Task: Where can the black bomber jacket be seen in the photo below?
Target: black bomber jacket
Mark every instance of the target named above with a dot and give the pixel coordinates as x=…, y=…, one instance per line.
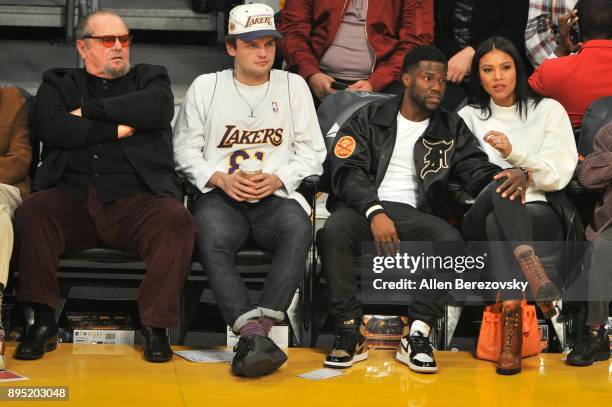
x=446, y=151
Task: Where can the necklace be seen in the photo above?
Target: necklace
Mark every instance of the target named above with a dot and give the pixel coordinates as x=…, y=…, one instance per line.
x=252, y=107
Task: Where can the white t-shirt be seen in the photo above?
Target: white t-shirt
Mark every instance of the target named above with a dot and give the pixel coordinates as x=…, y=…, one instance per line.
x=223, y=122
x=543, y=143
x=400, y=183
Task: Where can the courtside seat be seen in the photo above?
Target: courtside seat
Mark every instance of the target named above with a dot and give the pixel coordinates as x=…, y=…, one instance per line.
x=98, y=255
x=101, y=256
x=596, y=117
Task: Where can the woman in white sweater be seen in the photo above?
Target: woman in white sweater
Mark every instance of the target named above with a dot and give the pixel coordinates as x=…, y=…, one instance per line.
x=516, y=128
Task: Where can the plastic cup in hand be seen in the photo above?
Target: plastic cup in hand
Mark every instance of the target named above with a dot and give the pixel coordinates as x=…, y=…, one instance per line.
x=248, y=169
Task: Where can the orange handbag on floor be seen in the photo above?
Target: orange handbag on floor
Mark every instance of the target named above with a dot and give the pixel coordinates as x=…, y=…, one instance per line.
x=489, y=340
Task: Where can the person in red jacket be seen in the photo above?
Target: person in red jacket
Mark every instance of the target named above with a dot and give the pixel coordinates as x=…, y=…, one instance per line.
x=356, y=43
x=579, y=79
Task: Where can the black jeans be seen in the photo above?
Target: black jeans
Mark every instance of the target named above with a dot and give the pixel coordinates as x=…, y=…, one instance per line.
x=495, y=218
x=340, y=242
x=599, y=278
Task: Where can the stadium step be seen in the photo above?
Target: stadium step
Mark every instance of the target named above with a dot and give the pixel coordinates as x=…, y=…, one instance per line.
x=170, y=15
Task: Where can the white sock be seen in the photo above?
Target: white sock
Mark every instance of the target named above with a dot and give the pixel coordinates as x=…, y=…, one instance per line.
x=419, y=326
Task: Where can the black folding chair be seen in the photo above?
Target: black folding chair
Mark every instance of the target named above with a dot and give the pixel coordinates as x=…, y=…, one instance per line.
x=596, y=116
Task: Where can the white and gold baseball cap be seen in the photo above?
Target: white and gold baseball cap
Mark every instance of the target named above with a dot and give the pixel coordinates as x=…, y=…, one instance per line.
x=251, y=21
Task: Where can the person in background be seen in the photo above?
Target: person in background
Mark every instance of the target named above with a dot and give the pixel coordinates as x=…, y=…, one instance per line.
x=15, y=157
x=357, y=44
x=595, y=173
x=463, y=24
x=545, y=23
x=578, y=80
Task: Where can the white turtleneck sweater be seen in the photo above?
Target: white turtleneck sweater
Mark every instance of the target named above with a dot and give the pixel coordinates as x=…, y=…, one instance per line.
x=543, y=142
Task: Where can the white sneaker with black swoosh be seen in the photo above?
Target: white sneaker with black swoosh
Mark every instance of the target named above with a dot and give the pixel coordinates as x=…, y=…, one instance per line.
x=416, y=352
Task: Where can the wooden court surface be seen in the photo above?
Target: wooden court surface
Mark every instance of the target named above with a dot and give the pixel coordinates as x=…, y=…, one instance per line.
x=105, y=375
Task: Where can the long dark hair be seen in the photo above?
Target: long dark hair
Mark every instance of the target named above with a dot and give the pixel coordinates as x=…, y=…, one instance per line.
x=479, y=98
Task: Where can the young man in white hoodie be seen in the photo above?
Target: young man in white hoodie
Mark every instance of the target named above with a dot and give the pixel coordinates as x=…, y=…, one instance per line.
x=250, y=112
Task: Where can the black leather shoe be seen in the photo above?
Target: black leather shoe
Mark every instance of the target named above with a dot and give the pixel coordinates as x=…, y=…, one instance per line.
x=39, y=339
x=256, y=356
x=156, y=348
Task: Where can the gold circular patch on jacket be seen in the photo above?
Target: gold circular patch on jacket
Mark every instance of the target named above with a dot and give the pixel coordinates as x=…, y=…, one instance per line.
x=345, y=147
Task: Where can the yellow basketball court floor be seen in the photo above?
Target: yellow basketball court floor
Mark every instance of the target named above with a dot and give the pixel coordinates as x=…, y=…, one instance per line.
x=99, y=375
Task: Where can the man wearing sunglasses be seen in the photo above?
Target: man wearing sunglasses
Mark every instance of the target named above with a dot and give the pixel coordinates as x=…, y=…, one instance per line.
x=107, y=178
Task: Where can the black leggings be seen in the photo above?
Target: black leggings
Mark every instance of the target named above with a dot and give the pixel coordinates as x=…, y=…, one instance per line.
x=494, y=218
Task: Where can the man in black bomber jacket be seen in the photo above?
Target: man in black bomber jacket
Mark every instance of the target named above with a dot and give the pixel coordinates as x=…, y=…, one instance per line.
x=390, y=169
x=107, y=178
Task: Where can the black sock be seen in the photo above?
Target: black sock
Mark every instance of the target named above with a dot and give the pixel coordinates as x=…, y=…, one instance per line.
x=43, y=314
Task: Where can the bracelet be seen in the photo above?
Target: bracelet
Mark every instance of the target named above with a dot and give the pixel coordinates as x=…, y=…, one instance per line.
x=374, y=210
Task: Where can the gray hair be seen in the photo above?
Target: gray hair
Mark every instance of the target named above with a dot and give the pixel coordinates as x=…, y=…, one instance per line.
x=82, y=29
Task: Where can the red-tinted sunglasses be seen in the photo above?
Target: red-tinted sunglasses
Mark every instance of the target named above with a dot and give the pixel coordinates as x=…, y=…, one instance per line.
x=109, y=40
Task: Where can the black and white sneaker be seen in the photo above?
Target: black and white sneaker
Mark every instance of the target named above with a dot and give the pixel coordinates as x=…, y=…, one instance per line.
x=416, y=352
x=590, y=348
x=349, y=347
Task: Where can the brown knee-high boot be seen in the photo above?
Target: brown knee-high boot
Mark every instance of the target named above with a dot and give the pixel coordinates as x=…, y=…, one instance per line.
x=544, y=290
x=509, y=362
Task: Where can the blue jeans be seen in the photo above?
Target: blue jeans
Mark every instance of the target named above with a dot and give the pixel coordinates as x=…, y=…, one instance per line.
x=275, y=224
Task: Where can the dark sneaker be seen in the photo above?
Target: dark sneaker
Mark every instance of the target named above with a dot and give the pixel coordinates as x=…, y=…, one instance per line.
x=590, y=348
x=416, y=352
x=349, y=347
x=256, y=356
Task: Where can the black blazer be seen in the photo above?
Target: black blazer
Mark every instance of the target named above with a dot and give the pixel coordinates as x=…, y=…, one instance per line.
x=148, y=106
